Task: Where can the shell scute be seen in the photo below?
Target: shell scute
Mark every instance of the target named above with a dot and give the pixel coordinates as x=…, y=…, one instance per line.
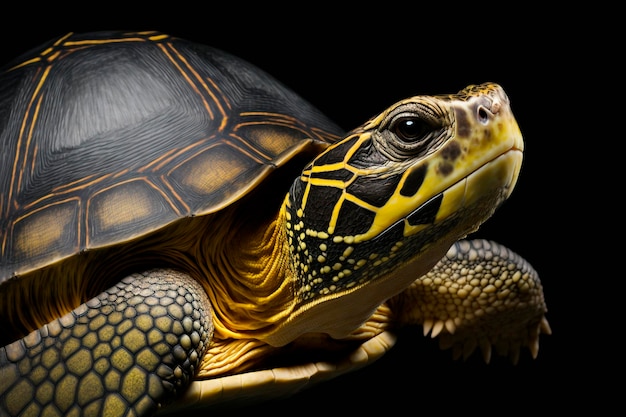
x=106, y=137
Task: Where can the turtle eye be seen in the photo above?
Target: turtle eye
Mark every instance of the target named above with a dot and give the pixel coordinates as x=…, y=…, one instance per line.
x=410, y=129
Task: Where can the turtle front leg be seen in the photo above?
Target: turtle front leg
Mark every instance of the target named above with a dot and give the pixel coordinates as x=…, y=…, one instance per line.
x=481, y=294
x=125, y=352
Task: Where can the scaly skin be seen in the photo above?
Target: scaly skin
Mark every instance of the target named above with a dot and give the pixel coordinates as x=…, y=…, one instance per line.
x=127, y=351
x=481, y=294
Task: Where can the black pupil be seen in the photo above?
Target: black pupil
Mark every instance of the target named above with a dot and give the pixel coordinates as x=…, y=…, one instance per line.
x=410, y=129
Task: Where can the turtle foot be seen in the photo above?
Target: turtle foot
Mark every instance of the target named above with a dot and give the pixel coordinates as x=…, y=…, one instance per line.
x=480, y=295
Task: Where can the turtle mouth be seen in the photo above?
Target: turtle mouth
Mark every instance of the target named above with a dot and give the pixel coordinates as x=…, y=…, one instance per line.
x=487, y=186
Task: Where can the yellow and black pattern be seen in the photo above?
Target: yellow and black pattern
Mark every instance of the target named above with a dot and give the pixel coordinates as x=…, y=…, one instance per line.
x=364, y=200
x=139, y=193
x=127, y=352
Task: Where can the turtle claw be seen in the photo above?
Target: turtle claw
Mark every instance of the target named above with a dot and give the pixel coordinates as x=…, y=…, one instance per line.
x=533, y=343
x=437, y=329
x=427, y=325
x=507, y=344
x=485, y=348
x=544, y=326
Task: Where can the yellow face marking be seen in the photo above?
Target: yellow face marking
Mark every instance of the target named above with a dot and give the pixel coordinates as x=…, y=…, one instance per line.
x=474, y=153
x=365, y=199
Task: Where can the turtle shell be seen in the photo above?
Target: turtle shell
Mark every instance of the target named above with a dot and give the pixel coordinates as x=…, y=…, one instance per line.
x=109, y=136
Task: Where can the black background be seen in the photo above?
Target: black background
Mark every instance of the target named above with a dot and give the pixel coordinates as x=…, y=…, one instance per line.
x=354, y=64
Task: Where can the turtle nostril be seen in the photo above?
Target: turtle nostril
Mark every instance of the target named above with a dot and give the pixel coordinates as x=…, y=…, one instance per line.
x=495, y=106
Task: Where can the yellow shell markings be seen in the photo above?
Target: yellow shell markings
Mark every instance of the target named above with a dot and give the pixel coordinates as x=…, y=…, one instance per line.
x=276, y=140
x=37, y=97
x=76, y=212
x=229, y=152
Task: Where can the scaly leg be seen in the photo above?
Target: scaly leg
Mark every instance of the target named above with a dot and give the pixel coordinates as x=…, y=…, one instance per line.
x=125, y=352
x=481, y=294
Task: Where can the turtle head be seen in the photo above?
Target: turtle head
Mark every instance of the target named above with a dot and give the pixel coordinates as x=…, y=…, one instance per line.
x=379, y=208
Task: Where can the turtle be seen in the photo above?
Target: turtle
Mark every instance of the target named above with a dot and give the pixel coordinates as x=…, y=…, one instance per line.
x=182, y=230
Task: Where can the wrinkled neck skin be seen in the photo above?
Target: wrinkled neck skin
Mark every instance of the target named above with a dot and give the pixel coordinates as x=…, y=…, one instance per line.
x=246, y=275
